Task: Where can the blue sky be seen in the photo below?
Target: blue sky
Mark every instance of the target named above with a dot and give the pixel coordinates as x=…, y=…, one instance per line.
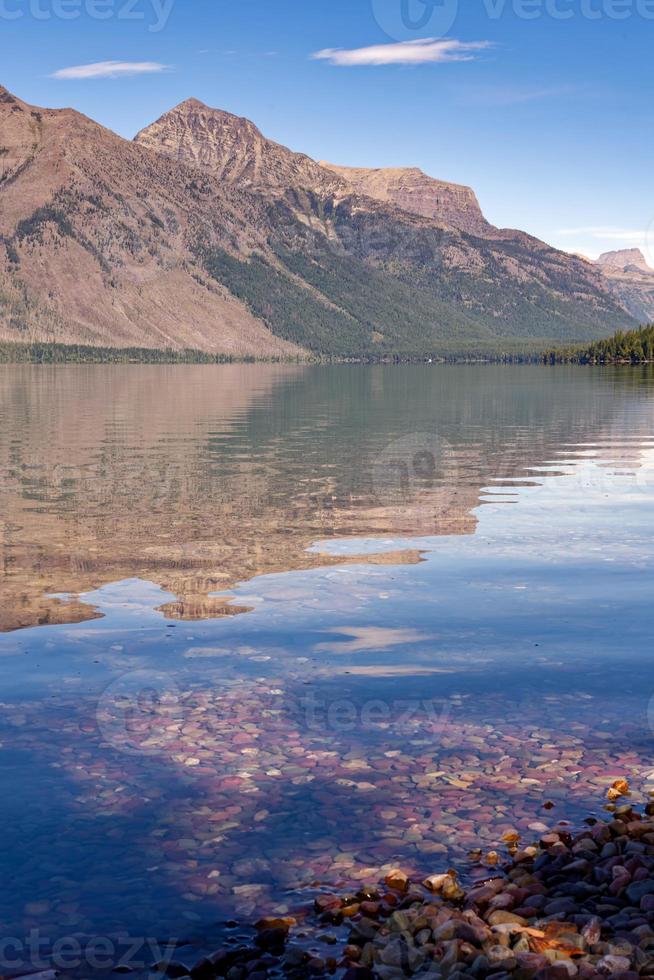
x=543, y=106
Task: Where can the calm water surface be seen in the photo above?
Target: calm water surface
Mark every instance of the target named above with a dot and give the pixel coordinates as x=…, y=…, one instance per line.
x=270, y=629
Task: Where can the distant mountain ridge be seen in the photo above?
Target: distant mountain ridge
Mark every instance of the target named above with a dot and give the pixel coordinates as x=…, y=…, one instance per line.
x=201, y=233
x=625, y=258
x=631, y=280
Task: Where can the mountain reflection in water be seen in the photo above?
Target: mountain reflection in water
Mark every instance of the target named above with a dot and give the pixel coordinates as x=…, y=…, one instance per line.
x=197, y=477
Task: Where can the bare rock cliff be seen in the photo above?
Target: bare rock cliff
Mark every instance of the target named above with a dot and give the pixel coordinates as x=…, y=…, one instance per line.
x=416, y=192
x=625, y=258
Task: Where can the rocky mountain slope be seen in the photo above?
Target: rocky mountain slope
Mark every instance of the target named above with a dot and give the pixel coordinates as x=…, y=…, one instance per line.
x=353, y=197
x=97, y=235
x=412, y=190
x=202, y=233
x=233, y=149
x=631, y=280
x=625, y=258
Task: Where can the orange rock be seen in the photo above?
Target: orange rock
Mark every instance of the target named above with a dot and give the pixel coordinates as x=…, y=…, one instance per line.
x=272, y=922
x=397, y=880
x=349, y=911
x=619, y=788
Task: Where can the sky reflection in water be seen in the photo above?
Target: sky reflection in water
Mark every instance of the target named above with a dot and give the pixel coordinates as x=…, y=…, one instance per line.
x=494, y=653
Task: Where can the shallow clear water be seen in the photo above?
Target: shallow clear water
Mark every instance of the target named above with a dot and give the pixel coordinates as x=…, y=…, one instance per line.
x=311, y=622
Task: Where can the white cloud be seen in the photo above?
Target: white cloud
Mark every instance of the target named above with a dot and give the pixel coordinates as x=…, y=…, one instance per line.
x=110, y=69
x=592, y=240
x=419, y=52
x=609, y=233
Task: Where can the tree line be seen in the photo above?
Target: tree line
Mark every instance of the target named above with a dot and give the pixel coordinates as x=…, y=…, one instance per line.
x=624, y=347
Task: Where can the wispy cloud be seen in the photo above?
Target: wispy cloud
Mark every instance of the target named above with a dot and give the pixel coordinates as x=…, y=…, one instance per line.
x=636, y=236
x=110, y=69
x=591, y=240
x=512, y=95
x=419, y=52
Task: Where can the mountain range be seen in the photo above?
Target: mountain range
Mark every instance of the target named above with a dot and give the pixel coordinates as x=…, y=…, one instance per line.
x=631, y=280
x=203, y=234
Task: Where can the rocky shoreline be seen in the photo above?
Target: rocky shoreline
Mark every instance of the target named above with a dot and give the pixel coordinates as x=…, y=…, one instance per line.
x=572, y=904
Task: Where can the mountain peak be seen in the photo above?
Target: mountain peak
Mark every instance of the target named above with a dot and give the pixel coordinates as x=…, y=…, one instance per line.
x=191, y=103
x=232, y=148
x=202, y=115
x=624, y=258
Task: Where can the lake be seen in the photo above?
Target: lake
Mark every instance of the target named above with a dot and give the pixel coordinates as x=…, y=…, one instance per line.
x=267, y=629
